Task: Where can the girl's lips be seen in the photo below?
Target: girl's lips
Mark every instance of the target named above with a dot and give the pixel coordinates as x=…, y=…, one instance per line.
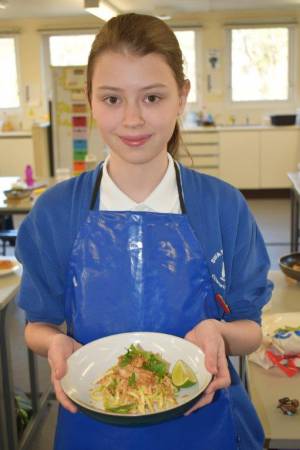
x=135, y=141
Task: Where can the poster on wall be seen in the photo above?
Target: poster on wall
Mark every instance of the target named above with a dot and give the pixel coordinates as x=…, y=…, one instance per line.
x=75, y=136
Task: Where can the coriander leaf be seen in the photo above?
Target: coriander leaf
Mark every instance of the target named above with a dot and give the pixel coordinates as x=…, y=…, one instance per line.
x=132, y=380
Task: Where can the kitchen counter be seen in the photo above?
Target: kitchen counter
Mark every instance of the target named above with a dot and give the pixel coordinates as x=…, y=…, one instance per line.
x=253, y=156
x=218, y=128
x=15, y=134
x=267, y=386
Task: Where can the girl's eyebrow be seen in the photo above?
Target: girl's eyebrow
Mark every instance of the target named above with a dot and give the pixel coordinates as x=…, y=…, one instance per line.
x=113, y=88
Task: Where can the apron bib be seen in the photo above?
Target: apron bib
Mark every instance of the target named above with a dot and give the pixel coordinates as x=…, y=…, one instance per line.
x=144, y=271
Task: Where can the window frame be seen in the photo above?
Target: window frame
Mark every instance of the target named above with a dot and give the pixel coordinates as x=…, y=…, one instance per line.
x=16, y=109
x=46, y=58
x=292, y=65
x=198, y=56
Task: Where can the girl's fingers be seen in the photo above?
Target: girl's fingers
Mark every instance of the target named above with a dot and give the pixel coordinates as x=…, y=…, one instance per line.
x=218, y=383
x=58, y=369
x=213, y=347
x=210, y=351
x=62, y=398
x=205, y=400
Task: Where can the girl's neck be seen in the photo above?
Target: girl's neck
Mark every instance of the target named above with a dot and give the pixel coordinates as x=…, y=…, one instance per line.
x=137, y=181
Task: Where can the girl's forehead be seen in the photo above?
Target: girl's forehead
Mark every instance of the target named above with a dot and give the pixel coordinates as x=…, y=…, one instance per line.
x=111, y=63
x=127, y=57
x=128, y=71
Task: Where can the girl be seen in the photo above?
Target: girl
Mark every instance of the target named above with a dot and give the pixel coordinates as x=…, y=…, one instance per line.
x=145, y=244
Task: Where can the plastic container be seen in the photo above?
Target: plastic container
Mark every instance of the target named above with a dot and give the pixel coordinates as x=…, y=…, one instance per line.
x=62, y=173
x=28, y=176
x=283, y=119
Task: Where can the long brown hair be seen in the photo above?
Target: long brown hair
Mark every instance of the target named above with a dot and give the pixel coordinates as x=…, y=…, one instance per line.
x=140, y=34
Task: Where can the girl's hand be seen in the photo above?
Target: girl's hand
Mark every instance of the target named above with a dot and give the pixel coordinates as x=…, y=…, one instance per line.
x=208, y=337
x=60, y=349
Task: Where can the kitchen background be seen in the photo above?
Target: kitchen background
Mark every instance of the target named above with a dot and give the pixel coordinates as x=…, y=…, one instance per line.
x=224, y=93
x=45, y=120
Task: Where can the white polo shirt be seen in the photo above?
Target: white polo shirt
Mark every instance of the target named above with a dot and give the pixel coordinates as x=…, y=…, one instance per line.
x=164, y=198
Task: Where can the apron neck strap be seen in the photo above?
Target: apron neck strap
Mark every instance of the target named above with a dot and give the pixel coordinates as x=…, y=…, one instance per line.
x=179, y=188
x=99, y=178
x=96, y=187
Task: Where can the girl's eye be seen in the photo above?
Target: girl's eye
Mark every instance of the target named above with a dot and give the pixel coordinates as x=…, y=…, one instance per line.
x=111, y=100
x=152, y=98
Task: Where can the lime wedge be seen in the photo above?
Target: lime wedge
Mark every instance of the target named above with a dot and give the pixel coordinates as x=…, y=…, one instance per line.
x=182, y=375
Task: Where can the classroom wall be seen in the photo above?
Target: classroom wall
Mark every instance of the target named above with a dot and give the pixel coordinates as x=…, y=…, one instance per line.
x=213, y=36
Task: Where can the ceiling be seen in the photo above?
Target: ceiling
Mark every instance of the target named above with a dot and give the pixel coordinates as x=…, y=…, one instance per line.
x=17, y=9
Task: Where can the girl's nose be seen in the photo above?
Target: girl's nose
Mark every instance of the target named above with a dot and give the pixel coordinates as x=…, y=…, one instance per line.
x=133, y=116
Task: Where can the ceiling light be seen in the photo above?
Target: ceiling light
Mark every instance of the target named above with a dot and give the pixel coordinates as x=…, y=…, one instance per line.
x=3, y=4
x=164, y=13
x=164, y=17
x=101, y=9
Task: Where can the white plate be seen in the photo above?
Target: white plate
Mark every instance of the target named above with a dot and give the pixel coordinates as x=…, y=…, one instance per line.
x=91, y=361
x=14, y=268
x=270, y=323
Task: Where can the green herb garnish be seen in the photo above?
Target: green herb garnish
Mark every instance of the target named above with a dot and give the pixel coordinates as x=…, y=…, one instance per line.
x=154, y=363
x=132, y=352
x=132, y=380
x=122, y=409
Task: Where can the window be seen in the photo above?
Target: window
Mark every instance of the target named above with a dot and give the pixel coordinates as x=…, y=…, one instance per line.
x=187, y=42
x=73, y=50
x=68, y=50
x=260, y=64
x=9, y=90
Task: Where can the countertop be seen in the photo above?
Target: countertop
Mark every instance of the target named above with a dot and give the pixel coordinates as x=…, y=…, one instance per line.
x=15, y=134
x=295, y=179
x=267, y=386
x=221, y=128
x=9, y=285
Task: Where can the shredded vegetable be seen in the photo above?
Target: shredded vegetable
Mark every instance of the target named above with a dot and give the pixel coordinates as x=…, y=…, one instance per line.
x=139, y=383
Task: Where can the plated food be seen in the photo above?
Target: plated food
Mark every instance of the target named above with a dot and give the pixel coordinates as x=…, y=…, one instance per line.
x=141, y=382
x=177, y=377
x=17, y=194
x=8, y=265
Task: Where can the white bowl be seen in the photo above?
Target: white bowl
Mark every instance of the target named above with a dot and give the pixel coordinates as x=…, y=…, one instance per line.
x=91, y=361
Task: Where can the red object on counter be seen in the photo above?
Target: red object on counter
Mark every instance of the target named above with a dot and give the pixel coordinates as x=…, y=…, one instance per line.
x=286, y=363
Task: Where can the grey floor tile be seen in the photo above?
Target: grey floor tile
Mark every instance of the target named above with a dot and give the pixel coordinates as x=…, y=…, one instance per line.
x=273, y=219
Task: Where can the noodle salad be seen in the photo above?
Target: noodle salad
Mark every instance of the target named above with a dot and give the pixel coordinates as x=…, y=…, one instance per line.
x=139, y=383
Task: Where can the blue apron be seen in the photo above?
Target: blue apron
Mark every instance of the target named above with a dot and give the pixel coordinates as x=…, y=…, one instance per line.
x=144, y=271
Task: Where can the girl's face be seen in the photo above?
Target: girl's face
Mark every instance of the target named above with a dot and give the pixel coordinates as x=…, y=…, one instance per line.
x=135, y=103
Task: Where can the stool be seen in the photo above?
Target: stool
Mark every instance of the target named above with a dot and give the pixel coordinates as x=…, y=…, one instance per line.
x=8, y=237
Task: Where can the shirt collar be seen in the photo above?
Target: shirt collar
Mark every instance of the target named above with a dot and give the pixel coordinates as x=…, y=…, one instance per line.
x=162, y=199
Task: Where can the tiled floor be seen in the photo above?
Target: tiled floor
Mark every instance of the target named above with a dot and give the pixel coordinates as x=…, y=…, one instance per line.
x=273, y=218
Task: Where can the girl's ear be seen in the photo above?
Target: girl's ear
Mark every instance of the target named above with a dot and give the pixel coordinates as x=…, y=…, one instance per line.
x=183, y=95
